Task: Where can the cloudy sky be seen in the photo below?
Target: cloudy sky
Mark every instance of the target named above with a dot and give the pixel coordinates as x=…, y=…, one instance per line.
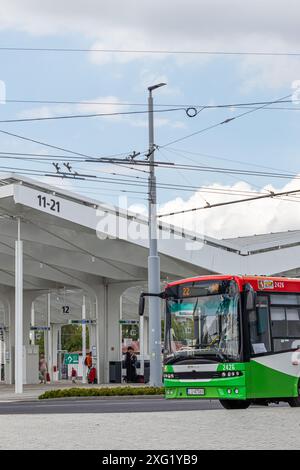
x=265, y=140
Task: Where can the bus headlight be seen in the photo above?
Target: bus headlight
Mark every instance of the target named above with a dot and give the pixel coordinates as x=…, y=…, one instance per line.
x=169, y=376
x=234, y=373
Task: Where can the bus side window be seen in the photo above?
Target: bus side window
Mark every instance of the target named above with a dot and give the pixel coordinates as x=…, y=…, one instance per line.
x=285, y=322
x=259, y=326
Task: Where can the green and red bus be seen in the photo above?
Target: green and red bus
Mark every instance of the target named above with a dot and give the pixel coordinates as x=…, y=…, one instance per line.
x=233, y=338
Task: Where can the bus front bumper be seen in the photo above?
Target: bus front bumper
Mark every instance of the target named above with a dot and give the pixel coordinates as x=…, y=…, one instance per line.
x=212, y=390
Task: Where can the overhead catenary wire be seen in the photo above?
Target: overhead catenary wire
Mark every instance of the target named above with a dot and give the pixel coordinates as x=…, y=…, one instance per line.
x=47, y=160
x=238, y=201
x=182, y=175
x=59, y=156
x=45, y=144
x=91, y=115
x=167, y=165
x=125, y=182
x=225, y=121
x=230, y=175
x=151, y=51
x=182, y=153
x=155, y=105
x=205, y=168
x=135, y=112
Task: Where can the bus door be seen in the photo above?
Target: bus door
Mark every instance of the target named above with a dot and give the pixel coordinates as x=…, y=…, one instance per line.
x=260, y=344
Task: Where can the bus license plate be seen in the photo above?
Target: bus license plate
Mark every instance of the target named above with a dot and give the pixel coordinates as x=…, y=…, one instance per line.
x=196, y=391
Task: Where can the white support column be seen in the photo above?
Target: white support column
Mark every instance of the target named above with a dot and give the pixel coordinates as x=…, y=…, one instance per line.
x=108, y=329
x=100, y=333
x=18, y=314
x=141, y=336
x=97, y=315
x=49, y=345
x=32, y=333
x=105, y=336
x=55, y=339
x=1, y=353
x=93, y=336
x=59, y=355
x=114, y=312
x=146, y=336
x=113, y=321
x=30, y=352
x=83, y=339
x=27, y=303
x=9, y=336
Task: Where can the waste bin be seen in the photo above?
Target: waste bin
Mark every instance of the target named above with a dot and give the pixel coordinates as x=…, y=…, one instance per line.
x=115, y=372
x=146, y=371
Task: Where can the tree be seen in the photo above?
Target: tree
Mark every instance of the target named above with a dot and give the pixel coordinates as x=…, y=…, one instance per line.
x=40, y=341
x=71, y=338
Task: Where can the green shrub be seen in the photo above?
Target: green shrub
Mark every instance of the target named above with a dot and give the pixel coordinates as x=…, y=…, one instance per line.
x=102, y=392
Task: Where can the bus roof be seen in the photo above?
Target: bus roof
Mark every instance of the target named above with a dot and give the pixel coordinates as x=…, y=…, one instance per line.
x=259, y=283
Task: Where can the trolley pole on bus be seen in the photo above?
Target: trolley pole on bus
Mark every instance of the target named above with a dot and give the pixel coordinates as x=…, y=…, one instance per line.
x=153, y=258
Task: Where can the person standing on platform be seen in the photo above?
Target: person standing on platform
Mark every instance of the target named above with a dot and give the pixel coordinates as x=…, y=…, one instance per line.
x=73, y=375
x=43, y=368
x=130, y=364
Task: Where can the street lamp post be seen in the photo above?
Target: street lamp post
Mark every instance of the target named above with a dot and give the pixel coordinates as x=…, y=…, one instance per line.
x=19, y=312
x=153, y=258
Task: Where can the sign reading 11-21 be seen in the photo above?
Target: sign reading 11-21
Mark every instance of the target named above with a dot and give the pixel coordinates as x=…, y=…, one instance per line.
x=48, y=203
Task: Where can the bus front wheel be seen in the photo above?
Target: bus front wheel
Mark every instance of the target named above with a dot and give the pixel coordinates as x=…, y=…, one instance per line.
x=295, y=401
x=235, y=404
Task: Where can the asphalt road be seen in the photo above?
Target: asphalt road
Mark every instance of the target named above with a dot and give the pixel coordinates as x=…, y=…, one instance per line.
x=132, y=405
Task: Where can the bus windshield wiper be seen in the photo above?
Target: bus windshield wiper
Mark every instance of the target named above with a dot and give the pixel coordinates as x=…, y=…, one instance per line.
x=218, y=353
x=221, y=356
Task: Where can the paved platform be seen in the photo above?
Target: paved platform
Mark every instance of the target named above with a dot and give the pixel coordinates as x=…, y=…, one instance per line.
x=256, y=428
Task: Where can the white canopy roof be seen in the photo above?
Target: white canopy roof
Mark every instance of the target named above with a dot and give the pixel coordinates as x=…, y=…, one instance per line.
x=61, y=248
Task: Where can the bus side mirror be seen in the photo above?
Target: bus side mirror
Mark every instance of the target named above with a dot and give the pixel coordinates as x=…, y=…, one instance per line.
x=141, y=304
x=161, y=295
x=250, y=297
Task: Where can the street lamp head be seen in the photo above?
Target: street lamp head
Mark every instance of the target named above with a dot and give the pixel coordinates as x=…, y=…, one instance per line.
x=153, y=87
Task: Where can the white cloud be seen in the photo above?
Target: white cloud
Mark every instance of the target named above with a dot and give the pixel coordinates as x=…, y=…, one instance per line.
x=174, y=25
x=269, y=73
x=262, y=216
x=172, y=22
x=44, y=112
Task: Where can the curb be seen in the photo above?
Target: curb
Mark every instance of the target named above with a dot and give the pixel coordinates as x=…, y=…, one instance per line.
x=116, y=397
x=111, y=397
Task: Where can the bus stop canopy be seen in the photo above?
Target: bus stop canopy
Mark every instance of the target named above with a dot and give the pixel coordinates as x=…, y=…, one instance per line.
x=61, y=247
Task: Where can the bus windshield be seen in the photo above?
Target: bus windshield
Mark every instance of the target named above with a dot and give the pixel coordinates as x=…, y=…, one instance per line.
x=203, y=325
